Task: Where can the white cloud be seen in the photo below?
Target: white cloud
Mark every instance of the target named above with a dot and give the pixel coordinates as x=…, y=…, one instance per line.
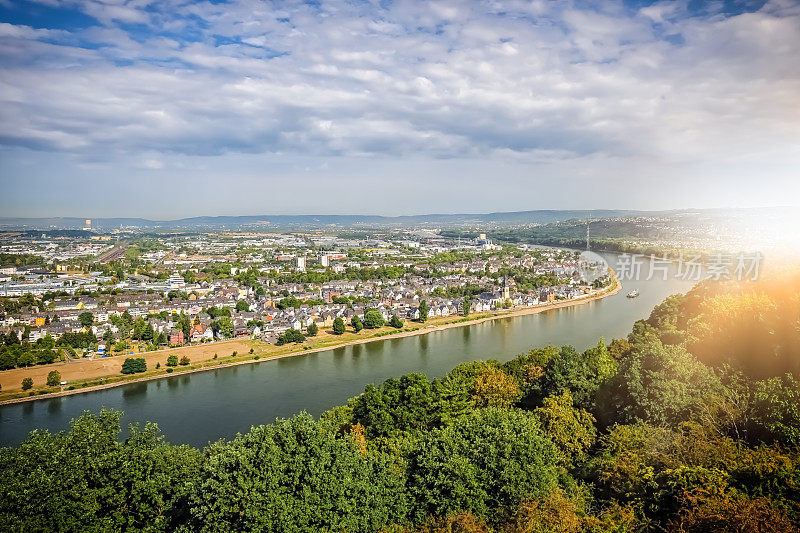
x=439, y=79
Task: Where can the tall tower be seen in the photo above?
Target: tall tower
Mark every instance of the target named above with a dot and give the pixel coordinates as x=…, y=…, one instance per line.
x=588, y=221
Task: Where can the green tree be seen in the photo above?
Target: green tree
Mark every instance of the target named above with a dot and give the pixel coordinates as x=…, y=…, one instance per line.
x=312, y=329
x=465, y=305
x=184, y=324
x=493, y=387
x=84, y=479
x=290, y=335
x=338, y=326
x=53, y=378
x=373, y=319
x=134, y=365
x=86, y=319
x=242, y=305
x=776, y=409
x=27, y=383
x=172, y=360
x=296, y=475
x=659, y=384
x=357, y=324
x=223, y=327
x=571, y=429
x=424, y=309
x=396, y=322
x=26, y=358
x=485, y=463
x=397, y=407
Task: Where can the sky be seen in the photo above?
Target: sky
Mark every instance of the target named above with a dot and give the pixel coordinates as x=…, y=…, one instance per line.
x=171, y=108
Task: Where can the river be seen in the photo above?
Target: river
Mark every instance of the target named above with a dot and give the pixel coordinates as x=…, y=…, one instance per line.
x=203, y=407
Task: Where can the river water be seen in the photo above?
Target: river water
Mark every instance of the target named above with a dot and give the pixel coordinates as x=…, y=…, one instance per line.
x=203, y=407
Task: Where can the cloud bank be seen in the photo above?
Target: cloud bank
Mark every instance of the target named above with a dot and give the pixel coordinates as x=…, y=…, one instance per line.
x=149, y=82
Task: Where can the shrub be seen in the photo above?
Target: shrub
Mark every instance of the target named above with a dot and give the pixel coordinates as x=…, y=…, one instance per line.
x=172, y=360
x=27, y=383
x=184, y=361
x=169, y=371
x=251, y=350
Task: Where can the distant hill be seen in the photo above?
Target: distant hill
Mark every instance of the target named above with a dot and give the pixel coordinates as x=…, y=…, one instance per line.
x=511, y=218
x=465, y=219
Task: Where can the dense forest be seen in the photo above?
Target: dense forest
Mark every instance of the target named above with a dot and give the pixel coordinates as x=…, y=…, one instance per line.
x=690, y=424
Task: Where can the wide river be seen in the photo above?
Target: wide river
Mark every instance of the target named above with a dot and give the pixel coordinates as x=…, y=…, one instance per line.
x=206, y=406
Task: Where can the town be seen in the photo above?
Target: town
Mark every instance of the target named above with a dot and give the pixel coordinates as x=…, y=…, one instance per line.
x=95, y=295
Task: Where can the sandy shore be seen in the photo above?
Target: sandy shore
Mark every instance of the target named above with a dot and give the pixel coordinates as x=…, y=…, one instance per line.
x=233, y=344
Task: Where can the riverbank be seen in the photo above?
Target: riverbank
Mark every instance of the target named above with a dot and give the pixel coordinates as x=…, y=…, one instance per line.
x=266, y=352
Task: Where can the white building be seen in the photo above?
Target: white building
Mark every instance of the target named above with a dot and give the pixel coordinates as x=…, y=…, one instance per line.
x=176, y=281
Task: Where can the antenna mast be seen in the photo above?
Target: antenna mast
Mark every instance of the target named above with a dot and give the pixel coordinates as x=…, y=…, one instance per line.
x=588, y=221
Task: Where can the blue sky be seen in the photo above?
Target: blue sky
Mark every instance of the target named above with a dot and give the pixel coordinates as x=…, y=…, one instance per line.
x=170, y=108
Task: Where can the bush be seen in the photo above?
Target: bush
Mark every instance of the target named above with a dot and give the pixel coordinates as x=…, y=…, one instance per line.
x=215, y=356
x=158, y=365
x=396, y=322
x=235, y=353
x=172, y=360
x=184, y=361
x=134, y=365
x=53, y=378
x=251, y=350
x=27, y=383
x=169, y=371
